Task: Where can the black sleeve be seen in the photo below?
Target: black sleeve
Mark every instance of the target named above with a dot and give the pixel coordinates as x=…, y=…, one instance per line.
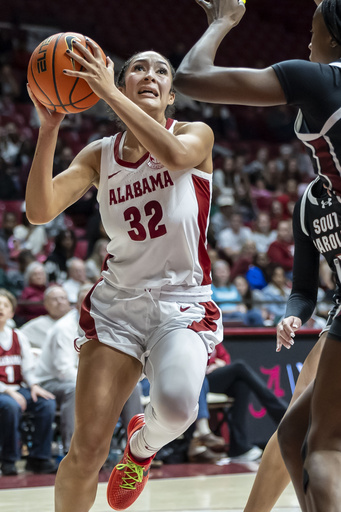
x=302, y=300
x=304, y=82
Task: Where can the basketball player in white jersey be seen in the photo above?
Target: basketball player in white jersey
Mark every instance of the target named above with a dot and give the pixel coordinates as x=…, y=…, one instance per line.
x=151, y=311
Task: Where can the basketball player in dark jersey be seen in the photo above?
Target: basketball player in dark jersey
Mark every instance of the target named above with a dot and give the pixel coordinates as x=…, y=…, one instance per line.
x=315, y=88
x=316, y=227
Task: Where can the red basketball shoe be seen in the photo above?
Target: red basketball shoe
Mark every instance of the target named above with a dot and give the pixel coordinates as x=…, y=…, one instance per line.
x=129, y=477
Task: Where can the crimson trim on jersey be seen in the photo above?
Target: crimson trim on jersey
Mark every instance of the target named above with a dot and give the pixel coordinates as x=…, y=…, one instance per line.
x=327, y=165
x=209, y=322
x=133, y=165
x=86, y=321
x=203, y=195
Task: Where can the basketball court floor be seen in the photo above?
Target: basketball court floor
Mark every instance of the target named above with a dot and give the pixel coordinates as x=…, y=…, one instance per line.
x=171, y=488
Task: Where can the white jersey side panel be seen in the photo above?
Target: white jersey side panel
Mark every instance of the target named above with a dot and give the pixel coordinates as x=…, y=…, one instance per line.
x=156, y=220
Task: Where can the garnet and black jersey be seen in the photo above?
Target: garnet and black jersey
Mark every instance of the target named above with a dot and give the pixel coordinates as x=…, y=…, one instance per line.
x=316, y=90
x=317, y=230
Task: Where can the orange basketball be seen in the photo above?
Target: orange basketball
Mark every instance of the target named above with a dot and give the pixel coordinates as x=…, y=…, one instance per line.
x=50, y=85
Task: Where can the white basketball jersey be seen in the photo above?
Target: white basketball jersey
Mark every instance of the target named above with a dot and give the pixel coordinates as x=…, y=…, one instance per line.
x=156, y=220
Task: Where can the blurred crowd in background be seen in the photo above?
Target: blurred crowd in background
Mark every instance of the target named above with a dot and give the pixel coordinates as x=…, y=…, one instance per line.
x=260, y=170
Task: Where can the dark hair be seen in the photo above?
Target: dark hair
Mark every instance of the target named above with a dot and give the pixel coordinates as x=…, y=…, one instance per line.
x=247, y=299
x=331, y=12
x=120, y=81
x=59, y=248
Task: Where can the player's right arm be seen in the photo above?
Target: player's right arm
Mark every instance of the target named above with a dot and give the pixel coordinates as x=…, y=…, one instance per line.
x=198, y=76
x=46, y=197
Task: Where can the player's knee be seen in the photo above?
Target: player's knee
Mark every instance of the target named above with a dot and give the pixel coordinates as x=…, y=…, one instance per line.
x=175, y=410
x=89, y=452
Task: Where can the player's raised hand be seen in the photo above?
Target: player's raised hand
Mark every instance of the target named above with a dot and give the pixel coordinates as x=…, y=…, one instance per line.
x=99, y=75
x=218, y=9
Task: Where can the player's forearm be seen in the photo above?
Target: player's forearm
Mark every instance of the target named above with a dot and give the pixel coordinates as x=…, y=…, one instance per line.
x=199, y=61
x=39, y=189
x=154, y=137
x=301, y=305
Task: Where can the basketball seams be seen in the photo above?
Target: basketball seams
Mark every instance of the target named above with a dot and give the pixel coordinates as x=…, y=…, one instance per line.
x=74, y=103
x=52, y=88
x=54, y=74
x=50, y=104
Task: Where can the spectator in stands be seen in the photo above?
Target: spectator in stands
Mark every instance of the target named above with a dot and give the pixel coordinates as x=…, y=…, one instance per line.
x=94, y=230
x=10, y=143
x=32, y=295
x=226, y=295
x=275, y=294
x=238, y=380
x=57, y=304
x=276, y=213
x=258, y=273
x=262, y=234
x=63, y=159
x=9, y=85
x=221, y=120
x=231, y=239
x=9, y=221
x=205, y=446
x=220, y=220
x=271, y=174
x=5, y=281
x=8, y=186
x=222, y=176
x=23, y=162
x=231, y=174
x=245, y=260
x=83, y=208
x=292, y=170
x=56, y=370
x=289, y=197
x=55, y=226
x=281, y=250
x=76, y=278
x=20, y=392
x=17, y=273
x=261, y=196
x=93, y=264
x=257, y=166
x=286, y=152
x=249, y=298
x=245, y=202
x=55, y=265
x=29, y=236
